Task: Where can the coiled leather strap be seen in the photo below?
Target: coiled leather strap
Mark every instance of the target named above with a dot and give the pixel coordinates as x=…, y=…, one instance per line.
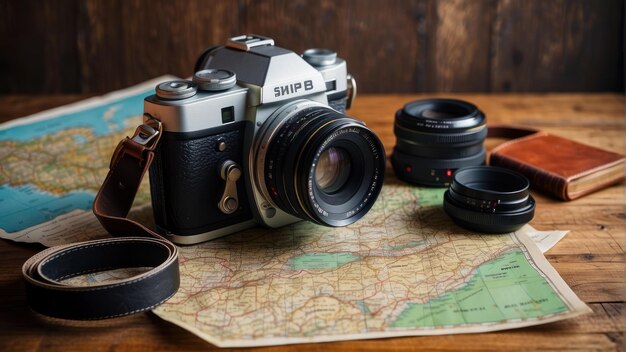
x=49, y=296
x=44, y=273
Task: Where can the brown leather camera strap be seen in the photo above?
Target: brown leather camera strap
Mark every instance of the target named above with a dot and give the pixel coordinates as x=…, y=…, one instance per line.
x=129, y=163
x=44, y=273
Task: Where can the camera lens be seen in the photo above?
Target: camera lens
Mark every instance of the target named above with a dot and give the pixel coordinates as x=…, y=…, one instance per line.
x=318, y=164
x=332, y=170
x=435, y=137
x=489, y=199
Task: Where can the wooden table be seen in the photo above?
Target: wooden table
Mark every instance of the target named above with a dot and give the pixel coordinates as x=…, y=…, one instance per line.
x=590, y=258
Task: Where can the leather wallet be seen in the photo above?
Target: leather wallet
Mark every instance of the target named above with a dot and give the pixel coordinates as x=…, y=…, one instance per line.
x=558, y=166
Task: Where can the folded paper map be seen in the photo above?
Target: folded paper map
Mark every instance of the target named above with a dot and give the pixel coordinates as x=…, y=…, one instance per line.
x=404, y=269
x=52, y=164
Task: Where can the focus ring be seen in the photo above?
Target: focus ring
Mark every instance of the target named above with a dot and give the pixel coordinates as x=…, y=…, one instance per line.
x=409, y=159
x=435, y=151
x=477, y=135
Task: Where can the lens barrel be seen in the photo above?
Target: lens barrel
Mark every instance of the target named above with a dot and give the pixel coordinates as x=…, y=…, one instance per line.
x=489, y=199
x=323, y=166
x=434, y=138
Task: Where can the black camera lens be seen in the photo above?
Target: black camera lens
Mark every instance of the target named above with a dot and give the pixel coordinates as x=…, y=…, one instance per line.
x=434, y=138
x=489, y=199
x=323, y=166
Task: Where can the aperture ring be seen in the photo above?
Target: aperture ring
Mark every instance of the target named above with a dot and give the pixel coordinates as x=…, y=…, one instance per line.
x=434, y=163
x=490, y=203
x=488, y=222
x=436, y=151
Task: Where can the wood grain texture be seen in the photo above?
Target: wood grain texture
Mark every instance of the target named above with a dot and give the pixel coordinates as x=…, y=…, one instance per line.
x=590, y=258
x=123, y=42
x=402, y=46
x=38, y=46
x=542, y=45
x=459, y=46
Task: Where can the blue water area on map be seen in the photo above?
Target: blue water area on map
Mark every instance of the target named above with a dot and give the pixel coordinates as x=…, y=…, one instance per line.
x=25, y=206
x=91, y=118
x=361, y=305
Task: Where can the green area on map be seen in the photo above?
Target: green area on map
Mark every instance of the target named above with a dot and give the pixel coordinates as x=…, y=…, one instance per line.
x=317, y=261
x=505, y=288
x=428, y=197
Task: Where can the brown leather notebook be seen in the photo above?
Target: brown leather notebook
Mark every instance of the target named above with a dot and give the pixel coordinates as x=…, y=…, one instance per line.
x=561, y=167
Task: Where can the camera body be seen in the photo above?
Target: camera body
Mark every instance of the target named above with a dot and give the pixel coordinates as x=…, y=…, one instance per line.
x=211, y=175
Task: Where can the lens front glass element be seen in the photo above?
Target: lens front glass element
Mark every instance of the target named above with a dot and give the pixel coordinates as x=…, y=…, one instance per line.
x=332, y=170
x=321, y=165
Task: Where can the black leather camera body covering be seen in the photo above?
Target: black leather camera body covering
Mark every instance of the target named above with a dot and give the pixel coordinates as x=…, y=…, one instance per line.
x=185, y=180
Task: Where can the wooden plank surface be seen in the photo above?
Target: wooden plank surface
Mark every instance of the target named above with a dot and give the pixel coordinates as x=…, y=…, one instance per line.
x=400, y=46
x=590, y=258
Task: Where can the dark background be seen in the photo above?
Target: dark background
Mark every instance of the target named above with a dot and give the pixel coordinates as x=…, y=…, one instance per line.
x=75, y=46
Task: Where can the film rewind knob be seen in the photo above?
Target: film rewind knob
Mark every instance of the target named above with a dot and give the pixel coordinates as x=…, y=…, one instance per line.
x=215, y=79
x=230, y=172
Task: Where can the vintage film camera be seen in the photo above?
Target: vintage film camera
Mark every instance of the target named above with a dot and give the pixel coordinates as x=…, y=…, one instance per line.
x=259, y=137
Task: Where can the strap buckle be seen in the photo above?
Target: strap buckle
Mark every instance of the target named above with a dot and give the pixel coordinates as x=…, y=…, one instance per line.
x=145, y=139
x=148, y=132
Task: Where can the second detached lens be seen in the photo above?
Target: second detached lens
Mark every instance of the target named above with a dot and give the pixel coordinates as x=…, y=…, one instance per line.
x=489, y=199
x=435, y=137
